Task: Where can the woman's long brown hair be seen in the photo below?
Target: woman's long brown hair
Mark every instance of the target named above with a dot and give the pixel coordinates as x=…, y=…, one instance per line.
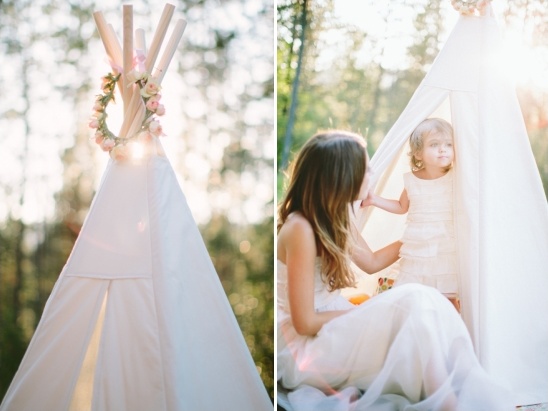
x=325, y=178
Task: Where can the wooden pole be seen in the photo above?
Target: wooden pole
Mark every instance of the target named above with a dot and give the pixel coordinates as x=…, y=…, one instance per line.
x=111, y=44
x=140, y=43
x=130, y=112
x=104, y=34
x=159, y=35
x=115, y=46
x=169, y=51
x=127, y=51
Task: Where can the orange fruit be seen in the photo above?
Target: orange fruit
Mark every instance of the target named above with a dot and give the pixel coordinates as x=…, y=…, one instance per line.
x=358, y=298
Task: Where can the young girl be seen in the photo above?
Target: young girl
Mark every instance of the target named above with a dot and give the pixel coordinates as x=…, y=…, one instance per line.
x=428, y=251
x=404, y=348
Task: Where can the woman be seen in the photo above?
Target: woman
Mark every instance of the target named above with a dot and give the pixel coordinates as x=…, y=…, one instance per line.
x=406, y=347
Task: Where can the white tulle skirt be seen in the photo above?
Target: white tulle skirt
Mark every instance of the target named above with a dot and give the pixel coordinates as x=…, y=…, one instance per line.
x=405, y=349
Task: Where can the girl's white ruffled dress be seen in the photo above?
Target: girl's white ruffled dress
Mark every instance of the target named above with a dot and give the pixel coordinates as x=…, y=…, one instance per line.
x=404, y=347
x=428, y=253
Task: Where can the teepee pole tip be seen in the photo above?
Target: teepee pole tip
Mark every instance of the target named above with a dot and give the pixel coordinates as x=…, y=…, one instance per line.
x=140, y=43
x=127, y=49
x=159, y=35
x=169, y=51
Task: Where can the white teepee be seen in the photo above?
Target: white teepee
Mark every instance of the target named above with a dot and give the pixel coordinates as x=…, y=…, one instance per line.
x=138, y=319
x=501, y=213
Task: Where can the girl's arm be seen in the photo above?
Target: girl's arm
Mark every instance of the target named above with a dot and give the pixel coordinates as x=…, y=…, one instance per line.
x=369, y=261
x=300, y=255
x=400, y=206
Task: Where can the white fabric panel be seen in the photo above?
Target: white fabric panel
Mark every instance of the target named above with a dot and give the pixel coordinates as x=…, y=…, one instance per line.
x=115, y=239
x=49, y=370
x=513, y=224
x=203, y=345
x=457, y=66
x=464, y=111
x=129, y=372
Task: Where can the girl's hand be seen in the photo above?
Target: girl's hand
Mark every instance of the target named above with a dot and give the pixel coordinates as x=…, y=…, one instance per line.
x=368, y=201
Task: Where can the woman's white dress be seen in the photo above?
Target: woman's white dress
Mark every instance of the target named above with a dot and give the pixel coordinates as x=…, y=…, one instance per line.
x=405, y=349
x=428, y=253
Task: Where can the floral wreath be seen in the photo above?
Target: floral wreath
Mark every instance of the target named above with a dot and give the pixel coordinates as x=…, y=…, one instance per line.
x=150, y=126
x=469, y=7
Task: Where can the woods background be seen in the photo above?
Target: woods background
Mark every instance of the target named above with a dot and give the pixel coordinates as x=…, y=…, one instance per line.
x=340, y=65
x=218, y=94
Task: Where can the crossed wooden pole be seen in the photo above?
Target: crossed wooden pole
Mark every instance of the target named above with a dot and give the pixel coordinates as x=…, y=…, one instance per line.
x=121, y=58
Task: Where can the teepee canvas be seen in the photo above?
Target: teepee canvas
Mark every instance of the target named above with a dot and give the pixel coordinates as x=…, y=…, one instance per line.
x=138, y=319
x=501, y=213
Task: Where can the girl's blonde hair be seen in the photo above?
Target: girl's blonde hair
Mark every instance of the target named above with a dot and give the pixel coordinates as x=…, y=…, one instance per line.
x=425, y=128
x=325, y=178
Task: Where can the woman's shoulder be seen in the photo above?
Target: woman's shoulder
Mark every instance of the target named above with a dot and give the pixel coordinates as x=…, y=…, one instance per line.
x=297, y=224
x=296, y=235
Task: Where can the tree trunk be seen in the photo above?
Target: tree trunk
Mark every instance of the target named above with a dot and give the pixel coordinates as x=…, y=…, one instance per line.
x=288, y=62
x=21, y=227
x=293, y=108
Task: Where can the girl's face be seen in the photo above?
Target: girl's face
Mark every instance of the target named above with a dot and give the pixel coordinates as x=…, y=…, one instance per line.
x=437, y=151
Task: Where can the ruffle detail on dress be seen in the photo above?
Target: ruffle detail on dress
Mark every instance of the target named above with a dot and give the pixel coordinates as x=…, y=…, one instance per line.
x=445, y=284
x=439, y=272
x=428, y=254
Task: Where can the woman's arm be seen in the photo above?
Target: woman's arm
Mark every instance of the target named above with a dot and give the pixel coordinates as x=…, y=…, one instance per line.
x=369, y=261
x=400, y=206
x=299, y=245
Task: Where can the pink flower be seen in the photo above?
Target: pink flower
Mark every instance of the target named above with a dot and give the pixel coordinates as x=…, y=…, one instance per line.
x=119, y=153
x=155, y=97
x=482, y=5
x=107, y=144
x=151, y=88
x=152, y=105
x=160, y=110
x=99, y=137
x=94, y=123
x=155, y=128
x=98, y=106
x=144, y=136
